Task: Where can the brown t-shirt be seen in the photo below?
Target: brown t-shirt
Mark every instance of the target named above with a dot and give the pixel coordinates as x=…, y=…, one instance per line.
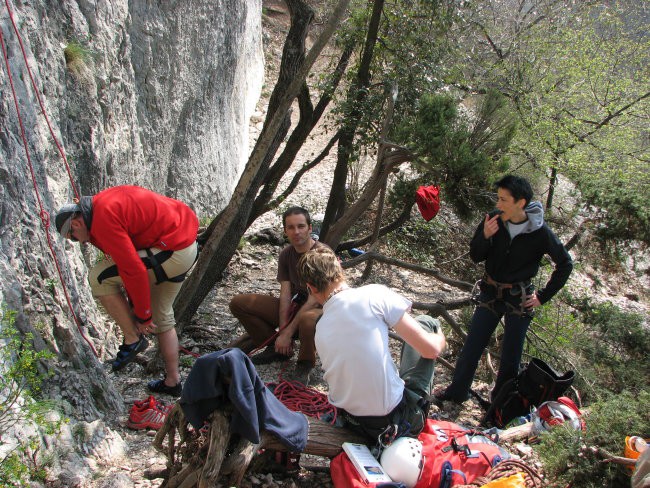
x=288, y=267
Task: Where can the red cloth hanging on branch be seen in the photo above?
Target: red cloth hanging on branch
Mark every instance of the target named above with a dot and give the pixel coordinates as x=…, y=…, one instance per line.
x=428, y=200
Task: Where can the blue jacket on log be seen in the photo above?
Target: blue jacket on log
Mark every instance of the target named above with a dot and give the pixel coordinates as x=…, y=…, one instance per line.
x=255, y=406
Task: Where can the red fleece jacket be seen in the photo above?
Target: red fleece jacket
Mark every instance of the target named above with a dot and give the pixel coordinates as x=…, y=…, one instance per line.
x=126, y=219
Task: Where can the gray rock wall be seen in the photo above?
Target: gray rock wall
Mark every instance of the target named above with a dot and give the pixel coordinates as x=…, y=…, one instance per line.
x=159, y=95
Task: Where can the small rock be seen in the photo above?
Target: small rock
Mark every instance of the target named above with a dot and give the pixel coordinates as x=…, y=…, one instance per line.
x=523, y=449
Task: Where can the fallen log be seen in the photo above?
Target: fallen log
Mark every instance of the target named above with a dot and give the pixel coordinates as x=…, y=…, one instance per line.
x=323, y=440
x=202, y=458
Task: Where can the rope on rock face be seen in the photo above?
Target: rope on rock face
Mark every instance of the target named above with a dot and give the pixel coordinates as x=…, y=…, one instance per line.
x=40, y=102
x=43, y=214
x=300, y=398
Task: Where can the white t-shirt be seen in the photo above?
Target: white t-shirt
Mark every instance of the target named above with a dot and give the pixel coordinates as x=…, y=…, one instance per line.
x=352, y=343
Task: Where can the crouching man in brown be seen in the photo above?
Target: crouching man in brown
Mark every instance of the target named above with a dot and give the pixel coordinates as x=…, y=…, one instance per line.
x=294, y=312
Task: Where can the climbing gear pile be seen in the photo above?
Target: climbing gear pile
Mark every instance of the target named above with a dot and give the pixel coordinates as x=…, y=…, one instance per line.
x=535, y=384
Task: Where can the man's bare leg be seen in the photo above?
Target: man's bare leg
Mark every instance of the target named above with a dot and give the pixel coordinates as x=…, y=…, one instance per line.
x=168, y=344
x=117, y=307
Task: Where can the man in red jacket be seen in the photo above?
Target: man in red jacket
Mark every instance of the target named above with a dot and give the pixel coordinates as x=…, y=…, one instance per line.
x=149, y=244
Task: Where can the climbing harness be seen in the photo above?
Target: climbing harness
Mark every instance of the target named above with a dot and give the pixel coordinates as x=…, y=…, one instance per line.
x=151, y=261
x=520, y=289
x=43, y=214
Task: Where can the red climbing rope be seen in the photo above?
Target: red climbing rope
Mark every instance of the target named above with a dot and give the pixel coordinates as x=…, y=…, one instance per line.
x=40, y=101
x=300, y=398
x=188, y=352
x=43, y=214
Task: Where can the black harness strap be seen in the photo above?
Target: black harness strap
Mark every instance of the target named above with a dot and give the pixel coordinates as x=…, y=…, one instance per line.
x=513, y=289
x=151, y=261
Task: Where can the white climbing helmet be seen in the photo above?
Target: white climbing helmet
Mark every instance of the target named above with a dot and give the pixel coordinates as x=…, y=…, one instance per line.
x=403, y=461
x=552, y=413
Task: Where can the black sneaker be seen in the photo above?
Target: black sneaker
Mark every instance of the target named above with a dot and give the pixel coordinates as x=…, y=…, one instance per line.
x=159, y=386
x=268, y=356
x=128, y=352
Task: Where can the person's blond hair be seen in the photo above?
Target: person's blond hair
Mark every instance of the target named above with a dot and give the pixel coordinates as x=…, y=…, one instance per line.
x=320, y=267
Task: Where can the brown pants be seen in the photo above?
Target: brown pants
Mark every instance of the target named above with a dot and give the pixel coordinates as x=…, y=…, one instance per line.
x=259, y=315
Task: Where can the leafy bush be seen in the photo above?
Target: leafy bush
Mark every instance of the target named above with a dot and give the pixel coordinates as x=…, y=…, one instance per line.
x=20, y=384
x=615, y=348
x=606, y=346
x=573, y=458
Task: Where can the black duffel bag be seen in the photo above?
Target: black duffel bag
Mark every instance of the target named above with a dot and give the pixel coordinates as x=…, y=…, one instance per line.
x=535, y=384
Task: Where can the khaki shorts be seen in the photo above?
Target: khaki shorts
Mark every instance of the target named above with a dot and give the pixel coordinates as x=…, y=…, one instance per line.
x=162, y=294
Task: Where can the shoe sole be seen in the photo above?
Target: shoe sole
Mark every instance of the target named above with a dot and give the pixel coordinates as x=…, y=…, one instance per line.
x=167, y=390
x=132, y=355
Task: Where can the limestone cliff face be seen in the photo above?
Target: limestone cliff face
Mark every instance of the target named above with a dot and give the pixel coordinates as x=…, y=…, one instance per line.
x=157, y=93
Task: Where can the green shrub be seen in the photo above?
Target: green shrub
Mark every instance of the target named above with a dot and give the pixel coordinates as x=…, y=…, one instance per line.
x=606, y=346
x=573, y=458
x=615, y=347
x=76, y=55
x=20, y=403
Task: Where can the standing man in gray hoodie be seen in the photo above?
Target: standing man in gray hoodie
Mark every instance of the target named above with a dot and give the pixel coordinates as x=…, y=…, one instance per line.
x=512, y=241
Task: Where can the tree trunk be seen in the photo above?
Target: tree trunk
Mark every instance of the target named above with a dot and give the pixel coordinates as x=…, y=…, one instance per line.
x=356, y=95
x=388, y=120
x=391, y=160
x=551, y=189
x=401, y=219
x=231, y=225
x=309, y=117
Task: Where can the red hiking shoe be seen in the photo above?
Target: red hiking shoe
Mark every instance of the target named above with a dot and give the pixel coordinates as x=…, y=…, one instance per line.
x=148, y=414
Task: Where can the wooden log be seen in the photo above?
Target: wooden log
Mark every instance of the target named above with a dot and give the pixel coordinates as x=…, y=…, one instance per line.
x=519, y=432
x=235, y=466
x=188, y=476
x=323, y=439
x=219, y=439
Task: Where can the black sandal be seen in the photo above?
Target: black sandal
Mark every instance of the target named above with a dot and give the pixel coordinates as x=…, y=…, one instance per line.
x=128, y=352
x=159, y=386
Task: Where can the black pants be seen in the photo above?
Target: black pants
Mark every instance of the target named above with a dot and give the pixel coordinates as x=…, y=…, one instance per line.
x=484, y=323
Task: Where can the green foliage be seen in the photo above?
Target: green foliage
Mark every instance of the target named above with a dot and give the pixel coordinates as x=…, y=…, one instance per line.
x=417, y=242
x=186, y=361
x=20, y=385
x=567, y=455
x=616, y=346
x=625, y=214
x=77, y=55
x=13, y=471
x=576, y=73
x=461, y=152
x=606, y=346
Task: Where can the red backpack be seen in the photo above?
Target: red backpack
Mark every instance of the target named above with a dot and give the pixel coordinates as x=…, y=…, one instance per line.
x=453, y=455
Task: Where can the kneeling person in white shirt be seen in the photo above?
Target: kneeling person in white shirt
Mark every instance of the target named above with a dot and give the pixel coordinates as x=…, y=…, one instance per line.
x=352, y=343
